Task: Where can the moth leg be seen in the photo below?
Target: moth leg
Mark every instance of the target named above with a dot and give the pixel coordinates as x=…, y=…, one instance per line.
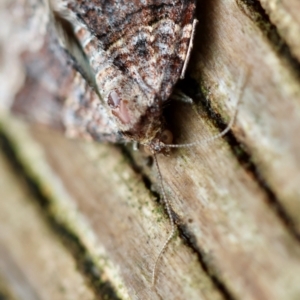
x=135, y=146
x=191, y=44
x=180, y=96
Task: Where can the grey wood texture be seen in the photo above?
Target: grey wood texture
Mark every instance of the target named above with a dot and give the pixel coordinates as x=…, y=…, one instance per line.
x=236, y=201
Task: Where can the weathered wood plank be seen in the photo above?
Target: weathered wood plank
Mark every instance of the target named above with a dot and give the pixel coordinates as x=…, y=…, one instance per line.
x=230, y=42
x=236, y=200
x=285, y=16
x=112, y=213
x=33, y=263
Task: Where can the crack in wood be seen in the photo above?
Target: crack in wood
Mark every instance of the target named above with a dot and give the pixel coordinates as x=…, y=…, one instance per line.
x=254, y=11
x=185, y=235
x=84, y=262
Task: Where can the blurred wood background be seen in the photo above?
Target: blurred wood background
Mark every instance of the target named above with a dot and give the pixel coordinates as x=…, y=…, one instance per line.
x=83, y=220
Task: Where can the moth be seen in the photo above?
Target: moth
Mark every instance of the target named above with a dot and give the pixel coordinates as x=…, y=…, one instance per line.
x=107, y=68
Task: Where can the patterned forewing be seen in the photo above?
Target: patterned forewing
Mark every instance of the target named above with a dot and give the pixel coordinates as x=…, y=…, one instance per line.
x=146, y=40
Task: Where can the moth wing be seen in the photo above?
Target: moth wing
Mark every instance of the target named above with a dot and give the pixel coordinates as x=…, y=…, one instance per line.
x=84, y=116
x=146, y=40
x=56, y=95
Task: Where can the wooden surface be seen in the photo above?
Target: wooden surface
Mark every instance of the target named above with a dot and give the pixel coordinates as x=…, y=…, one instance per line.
x=34, y=264
x=92, y=211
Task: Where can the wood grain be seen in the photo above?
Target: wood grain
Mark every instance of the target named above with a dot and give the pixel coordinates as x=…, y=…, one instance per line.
x=284, y=15
x=33, y=264
x=236, y=200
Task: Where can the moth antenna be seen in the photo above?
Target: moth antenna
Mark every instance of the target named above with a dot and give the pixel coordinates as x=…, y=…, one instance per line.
x=228, y=127
x=171, y=218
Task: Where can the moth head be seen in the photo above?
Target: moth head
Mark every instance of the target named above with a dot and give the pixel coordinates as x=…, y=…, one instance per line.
x=160, y=143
